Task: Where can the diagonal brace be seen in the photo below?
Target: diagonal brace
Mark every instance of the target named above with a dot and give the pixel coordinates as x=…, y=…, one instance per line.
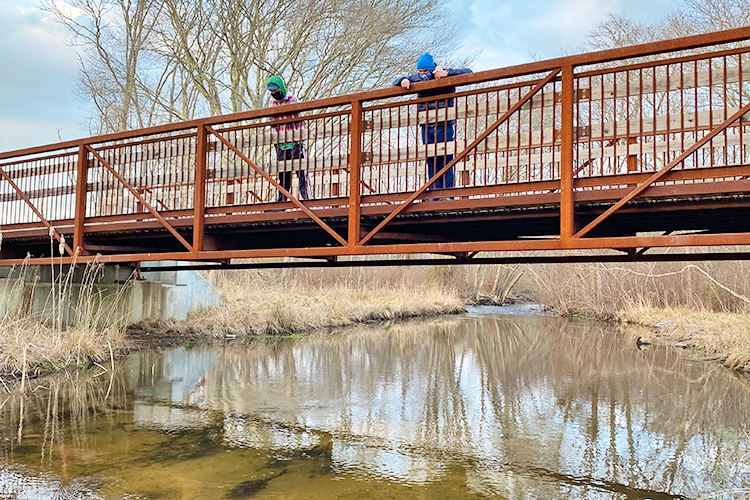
x=658, y=175
x=46, y=223
x=141, y=199
x=278, y=186
x=461, y=155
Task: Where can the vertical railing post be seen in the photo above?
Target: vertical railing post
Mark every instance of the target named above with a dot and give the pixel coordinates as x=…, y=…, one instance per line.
x=81, y=192
x=566, y=158
x=199, y=200
x=355, y=160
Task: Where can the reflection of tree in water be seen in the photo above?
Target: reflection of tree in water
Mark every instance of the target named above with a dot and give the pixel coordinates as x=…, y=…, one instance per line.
x=552, y=394
x=618, y=413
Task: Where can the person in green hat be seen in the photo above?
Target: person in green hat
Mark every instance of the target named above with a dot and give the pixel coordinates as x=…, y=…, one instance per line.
x=291, y=150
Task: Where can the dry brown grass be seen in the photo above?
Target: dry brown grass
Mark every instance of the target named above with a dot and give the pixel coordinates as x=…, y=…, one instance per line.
x=256, y=304
x=27, y=344
x=604, y=290
x=476, y=283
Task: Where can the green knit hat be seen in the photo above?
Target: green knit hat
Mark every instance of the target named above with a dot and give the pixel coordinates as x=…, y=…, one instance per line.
x=279, y=82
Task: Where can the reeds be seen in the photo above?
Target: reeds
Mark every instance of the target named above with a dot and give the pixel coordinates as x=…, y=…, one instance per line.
x=604, y=290
x=291, y=301
x=75, y=326
x=472, y=283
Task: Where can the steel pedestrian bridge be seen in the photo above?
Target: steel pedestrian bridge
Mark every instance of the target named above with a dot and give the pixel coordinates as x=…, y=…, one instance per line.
x=632, y=149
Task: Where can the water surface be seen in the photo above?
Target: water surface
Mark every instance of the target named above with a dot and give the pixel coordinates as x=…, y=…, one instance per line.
x=479, y=406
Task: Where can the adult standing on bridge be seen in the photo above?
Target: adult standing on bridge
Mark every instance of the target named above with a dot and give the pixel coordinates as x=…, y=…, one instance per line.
x=442, y=131
x=293, y=150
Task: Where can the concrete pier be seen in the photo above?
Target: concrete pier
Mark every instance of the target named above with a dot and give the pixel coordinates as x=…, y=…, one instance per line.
x=103, y=294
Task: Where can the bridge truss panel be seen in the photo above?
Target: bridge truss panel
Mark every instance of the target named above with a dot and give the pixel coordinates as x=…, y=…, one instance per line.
x=161, y=169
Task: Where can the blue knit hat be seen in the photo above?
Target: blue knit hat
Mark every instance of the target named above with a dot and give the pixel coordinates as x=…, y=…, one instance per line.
x=426, y=62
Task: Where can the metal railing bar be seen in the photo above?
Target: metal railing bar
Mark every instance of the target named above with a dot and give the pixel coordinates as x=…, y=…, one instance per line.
x=59, y=237
x=460, y=156
x=610, y=55
x=278, y=186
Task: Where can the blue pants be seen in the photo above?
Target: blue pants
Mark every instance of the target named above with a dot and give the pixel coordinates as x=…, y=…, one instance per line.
x=285, y=178
x=433, y=134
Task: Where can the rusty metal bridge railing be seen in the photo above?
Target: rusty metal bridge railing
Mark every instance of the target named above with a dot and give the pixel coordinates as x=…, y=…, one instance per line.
x=627, y=149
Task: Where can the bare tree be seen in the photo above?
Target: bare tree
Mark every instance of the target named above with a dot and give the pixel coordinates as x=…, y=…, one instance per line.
x=689, y=17
x=113, y=35
x=147, y=62
x=616, y=30
x=712, y=15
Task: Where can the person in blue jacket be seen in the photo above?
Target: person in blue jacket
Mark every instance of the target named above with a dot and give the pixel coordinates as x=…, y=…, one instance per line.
x=442, y=131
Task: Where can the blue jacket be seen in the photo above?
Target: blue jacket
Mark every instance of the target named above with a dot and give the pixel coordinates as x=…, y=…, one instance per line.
x=449, y=103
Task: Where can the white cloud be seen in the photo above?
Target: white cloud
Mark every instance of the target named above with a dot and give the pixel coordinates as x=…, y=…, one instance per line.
x=37, y=88
x=514, y=32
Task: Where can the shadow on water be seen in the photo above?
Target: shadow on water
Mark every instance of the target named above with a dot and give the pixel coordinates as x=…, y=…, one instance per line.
x=248, y=489
x=470, y=407
x=184, y=445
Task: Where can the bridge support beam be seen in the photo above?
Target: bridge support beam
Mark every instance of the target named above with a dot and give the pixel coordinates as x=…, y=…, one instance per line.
x=355, y=163
x=566, y=158
x=200, y=188
x=106, y=296
x=81, y=183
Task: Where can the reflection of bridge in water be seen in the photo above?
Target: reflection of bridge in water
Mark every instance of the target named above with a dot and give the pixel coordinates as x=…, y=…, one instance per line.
x=628, y=149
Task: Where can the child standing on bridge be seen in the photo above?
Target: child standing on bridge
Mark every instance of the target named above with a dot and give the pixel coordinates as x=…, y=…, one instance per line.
x=292, y=150
x=442, y=131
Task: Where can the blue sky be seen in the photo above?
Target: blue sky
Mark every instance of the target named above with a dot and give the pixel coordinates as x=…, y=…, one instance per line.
x=37, y=87
x=38, y=103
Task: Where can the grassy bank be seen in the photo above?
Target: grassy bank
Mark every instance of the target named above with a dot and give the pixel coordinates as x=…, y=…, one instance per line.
x=29, y=345
x=724, y=337
x=702, y=306
x=262, y=303
x=79, y=325
x=255, y=303
x=297, y=309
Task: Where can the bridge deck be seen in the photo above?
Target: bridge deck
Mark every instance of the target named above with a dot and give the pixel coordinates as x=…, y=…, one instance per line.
x=626, y=149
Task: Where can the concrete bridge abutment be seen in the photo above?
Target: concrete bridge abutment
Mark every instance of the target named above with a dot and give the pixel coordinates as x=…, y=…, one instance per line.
x=103, y=293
